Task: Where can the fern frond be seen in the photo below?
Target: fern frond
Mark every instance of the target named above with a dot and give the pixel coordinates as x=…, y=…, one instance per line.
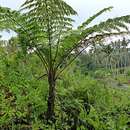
x=89, y=20
x=52, y=15
x=81, y=47
x=5, y=21
x=116, y=24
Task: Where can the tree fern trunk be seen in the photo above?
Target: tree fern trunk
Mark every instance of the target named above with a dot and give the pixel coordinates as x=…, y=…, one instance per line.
x=75, y=125
x=51, y=98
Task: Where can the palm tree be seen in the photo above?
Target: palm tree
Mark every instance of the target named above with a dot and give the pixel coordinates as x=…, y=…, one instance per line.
x=107, y=49
x=45, y=26
x=124, y=47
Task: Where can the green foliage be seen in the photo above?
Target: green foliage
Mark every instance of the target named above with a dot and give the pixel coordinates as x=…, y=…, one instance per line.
x=47, y=26
x=128, y=73
x=100, y=74
x=23, y=98
x=100, y=106
x=77, y=101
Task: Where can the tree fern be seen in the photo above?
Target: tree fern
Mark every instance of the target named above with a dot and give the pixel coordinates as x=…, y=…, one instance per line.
x=46, y=27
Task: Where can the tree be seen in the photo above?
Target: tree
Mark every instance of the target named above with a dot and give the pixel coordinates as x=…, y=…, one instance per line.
x=125, y=52
x=45, y=26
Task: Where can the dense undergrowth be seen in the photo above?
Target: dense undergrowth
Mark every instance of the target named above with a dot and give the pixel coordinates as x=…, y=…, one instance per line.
x=82, y=101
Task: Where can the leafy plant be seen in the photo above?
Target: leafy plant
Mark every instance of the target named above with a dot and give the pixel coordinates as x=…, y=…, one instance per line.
x=45, y=28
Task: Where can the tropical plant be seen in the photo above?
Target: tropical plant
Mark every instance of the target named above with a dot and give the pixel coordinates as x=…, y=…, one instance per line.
x=45, y=28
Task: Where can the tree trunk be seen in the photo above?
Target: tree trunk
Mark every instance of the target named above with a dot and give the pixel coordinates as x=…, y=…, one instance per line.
x=51, y=98
x=74, y=127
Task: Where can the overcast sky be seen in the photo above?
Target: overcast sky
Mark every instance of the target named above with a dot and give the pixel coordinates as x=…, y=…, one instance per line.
x=85, y=8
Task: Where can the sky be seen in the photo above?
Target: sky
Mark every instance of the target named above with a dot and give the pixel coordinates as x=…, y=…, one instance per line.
x=85, y=9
